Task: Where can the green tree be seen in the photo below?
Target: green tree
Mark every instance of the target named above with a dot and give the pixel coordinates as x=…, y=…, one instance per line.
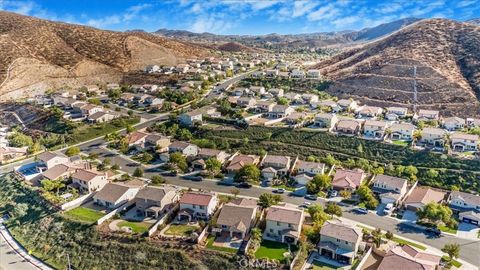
x=283, y=101
x=317, y=214
x=20, y=210
x=453, y=250
x=72, y=151
x=389, y=235
x=179, y=160
x=346, y=194
x=435, y=212
x=377, y=237
x=267, y=199
x=213, y=166
x=432, y=173
x=330, y=160
x=319, y=183
x=115, y=167
x=34, y=148
x=367, y=197
x=333, y=209
x=17, y=139
x=157, y=180
x=248, y=173
x=138, y=172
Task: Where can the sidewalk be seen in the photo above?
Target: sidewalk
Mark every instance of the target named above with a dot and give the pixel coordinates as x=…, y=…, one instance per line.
x=15, y=247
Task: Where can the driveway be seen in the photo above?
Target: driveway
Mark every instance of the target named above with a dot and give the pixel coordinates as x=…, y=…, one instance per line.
x=379, y=209
x=409, y=216
x=467, y=230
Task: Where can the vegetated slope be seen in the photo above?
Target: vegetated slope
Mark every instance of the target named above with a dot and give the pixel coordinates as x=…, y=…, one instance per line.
x=234, y=47
x=444, y=52
x=384, y=29
x=35, y=52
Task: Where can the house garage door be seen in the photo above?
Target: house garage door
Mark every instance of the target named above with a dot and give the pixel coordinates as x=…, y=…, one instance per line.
x=471, y=221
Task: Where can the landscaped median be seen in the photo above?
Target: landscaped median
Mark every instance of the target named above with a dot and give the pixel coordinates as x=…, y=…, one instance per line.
x=83, y=214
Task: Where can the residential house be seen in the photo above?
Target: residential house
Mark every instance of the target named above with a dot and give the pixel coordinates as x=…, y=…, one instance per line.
x=427, y=115
x=297, y=73
x=421, y=196
x=283, y=224
x=390, y=189
x=339, y=241
x=464, y=142
x=11, y=153
x=187, y=149
x=280, y=163
x=239, y=91
x=296, y=119
x=347, y=104
x=453, y=123
x=402, y=131
x=276, y=92
x=375, y=129
x=257, y=90
x=473, y=122
x=50, y=159
x=60, y=171
x=328, y=106
x=195, y=205
x=238, y=161
x=308, y=167
x=313, y=74
x=190, y=118
x=462, y=201
x=264, y=106
x=394, y=113
x=113, y=195
x=237, y=217
x=345, y=179
x=280, y=111
x=295, y=98
x=269, y=173
x=246, y=102
x=154, y=202
x=326, y=120
x=302, y=178
x=348, y=127
x=271, y=73
x=157, y=141
x=86, y=109
x=89, y=181
x=433, y=137
x=472, y=217
x=310, y=98
x=102, y=117
x=206, y=153
x=407, y=257
x=369, y=112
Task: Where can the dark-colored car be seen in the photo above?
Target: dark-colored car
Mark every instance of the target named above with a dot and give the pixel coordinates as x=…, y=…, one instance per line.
x=434, y=231
x=361, y=210
x=193, y=177
x=244, y=185
x=170, y=173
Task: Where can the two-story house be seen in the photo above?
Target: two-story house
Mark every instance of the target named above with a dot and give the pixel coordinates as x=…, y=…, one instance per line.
x=433, y=137
x=113, y=195
x=462, y=201
x=464, y=142
x=375, y=129
x=369, y=112
x=390, y=189
x=348, y=127
x=280, y=163
x=421, y=196
x=283, y=224
x=394, y=113
x=347, y=104
x=236, y=218
x=89, y=181
x=280, y=111
x=339, y=241
x=402, y=131
x=190, y=118
x=309, y=167
x=194, y=205
x=238, y=161
x=345, y=179
x=47, y=160
x=326, y=120
x=453, y=123
x=246, y=102
x=154, y=202
x=427, y=115
x=187, y=149
x=264, y=106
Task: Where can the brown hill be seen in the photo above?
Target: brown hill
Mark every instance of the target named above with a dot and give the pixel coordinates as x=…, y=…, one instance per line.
x=234, y=47
x=40, y=54
x=447, y=62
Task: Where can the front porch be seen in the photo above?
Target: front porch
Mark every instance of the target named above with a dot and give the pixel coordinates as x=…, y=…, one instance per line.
x=334, y=252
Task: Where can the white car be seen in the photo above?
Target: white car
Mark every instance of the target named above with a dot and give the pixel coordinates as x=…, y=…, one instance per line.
x=388, y=209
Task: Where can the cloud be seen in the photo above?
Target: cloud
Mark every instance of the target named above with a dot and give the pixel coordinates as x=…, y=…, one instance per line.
x=128, y=15
x=466, y=3
x=210, y=24
x=301, y=8
x=323, y=13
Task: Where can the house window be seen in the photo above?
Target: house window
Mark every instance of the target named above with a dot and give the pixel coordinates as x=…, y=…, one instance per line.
x=338, y=240
x=224, y=226
x=346, y=242
x=271, y=230
x=289, y=225
x=278, y=223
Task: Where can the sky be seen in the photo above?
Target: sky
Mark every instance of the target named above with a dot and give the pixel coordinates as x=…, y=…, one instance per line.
x=240, y=16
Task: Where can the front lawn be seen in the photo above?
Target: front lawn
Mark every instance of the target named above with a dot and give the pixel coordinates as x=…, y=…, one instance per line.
x=444, y=228
x=455, y=263
x=137, y=227
x=401, y=143
x=180, y=230
x=210, y=245
x=272, y=250
x=83, y=214
x=317, y=265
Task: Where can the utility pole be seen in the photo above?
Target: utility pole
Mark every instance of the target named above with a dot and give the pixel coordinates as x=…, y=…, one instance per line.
x=415, y=89
x=69, y=267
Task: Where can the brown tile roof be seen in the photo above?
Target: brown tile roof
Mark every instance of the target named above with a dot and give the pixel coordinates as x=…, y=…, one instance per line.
x=425, y=195
x=390, y=181
x=340, y=231
x=348, y=124
x=58, y=171
x=179, y=145
x=207, y=152
x=153, y=193
x=196, y=198
x=135, y=136
x=407, y=258
x=245, y=202
x=237, y=216
x=348, y=178
x=111, y=192
x=46, y=156
x=241, y=160
x=464, y=136
x=284, y=160
x=467, y=197
x=86, y=175
x=285, y=215
x=307, y=165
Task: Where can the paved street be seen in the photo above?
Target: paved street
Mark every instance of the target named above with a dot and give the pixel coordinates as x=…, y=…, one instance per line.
x=11, y=260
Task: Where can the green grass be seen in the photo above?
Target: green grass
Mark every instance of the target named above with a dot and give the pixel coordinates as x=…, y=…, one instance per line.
x=401, y=143
x=137, y=227
x=322, y=266
x=85, y=215
x=180, y=230
x=444, y=228
x=284, y=187
x=210, y=245
x=455, y=263
x=271, y=250
x=87, y=132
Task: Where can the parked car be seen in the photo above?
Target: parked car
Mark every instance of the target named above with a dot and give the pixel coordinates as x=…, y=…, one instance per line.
x=170, y=173
x=305, y=205
x=193, y=177
x=388, y=209
x=244, y=185
x=279, y=190
x=434, y=231
x=311, y=197
x=361, y=210
x=332, y=193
